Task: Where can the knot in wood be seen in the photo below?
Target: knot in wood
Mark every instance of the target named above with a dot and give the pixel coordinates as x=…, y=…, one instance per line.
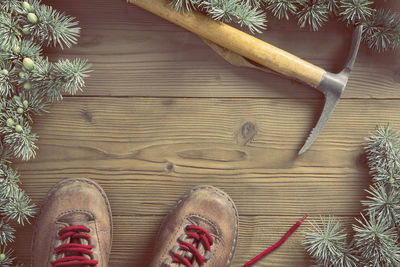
x=247, y=132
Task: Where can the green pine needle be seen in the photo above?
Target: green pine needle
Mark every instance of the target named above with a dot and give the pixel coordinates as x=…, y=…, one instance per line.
x=244, y=13
x=384, y=202
x=6, y=257
x=376, y=241
x=333, y=6
x=327, y=242
x=282, y=8
x=9, y=181
x=6, y=79
x=71, y=74
x=28, y=84
x=9, y=30
x=383, y=153
x=355, y=11
x=55, y=28
x=382, y=30
x=313, y=13
x=22, y=144
x=6, y=233
x=18, y=208
x=185, y=5
x=381, y=27
x=253, y=18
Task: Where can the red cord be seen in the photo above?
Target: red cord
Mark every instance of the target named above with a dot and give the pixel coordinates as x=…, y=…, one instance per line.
x=198, y=234
x=277, y=244
x=74, y=232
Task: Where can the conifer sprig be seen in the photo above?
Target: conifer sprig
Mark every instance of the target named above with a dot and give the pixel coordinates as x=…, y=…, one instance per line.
x=381, y=30
x=375, y=242
x=355, y=11
x=281, y=9
x=384, y=202
x=227, y=11
x=28, y=84
x=313, y=13
x=326, y=241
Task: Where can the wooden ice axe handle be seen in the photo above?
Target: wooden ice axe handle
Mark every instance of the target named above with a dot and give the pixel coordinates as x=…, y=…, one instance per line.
x=237, y=41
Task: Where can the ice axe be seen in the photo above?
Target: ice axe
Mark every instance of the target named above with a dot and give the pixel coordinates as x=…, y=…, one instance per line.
x=330, y=84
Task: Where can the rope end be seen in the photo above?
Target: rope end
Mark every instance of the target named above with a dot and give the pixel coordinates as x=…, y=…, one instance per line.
x=304, y=217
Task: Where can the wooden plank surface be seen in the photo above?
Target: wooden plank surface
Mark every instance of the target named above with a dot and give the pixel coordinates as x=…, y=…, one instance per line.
x=146, y=152
x=162, y=113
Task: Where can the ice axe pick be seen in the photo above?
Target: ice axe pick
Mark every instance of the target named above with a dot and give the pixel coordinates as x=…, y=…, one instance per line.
x=330, y=84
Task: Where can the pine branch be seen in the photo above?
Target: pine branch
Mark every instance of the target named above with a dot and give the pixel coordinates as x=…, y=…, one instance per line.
x=383, y=153
x=255, y=3
x=355, y=11
x=6, y=257
x=382, y=30
x=70, y=75
x=18, y=208
x=9, y=30
x=227, y=11
x=55, y=28
x=9, y=181
x=19, y=139
x=6, y=85
x=185, y=5
x=376, y=242
x=28, y=84
x=281, y=9
x=313, y=13
x=333, y=6
x=384, y=202
x=327, y=244
x=6, y=233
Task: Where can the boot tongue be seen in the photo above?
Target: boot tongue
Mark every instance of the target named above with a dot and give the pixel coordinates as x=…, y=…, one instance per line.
x=76, y=218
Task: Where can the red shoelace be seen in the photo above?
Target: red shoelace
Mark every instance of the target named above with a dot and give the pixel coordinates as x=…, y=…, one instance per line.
x=277, y=244
x=74, y=232
x=200, y=236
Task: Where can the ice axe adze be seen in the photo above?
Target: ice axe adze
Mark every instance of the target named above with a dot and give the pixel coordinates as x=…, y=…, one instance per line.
x=330, y=84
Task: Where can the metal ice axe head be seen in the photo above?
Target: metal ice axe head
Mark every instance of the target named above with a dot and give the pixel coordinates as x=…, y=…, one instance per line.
x=332, y=86
x=240, y=45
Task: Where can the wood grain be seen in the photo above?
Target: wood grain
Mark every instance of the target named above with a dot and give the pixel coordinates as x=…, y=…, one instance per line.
x=146, y=152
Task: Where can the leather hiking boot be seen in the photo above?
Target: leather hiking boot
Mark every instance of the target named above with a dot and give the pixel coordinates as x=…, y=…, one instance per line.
x=74, y=227
x=201, y=230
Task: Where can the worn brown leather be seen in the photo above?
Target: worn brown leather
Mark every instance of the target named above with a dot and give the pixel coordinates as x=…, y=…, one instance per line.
x=207, y=207
x=74, y=201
